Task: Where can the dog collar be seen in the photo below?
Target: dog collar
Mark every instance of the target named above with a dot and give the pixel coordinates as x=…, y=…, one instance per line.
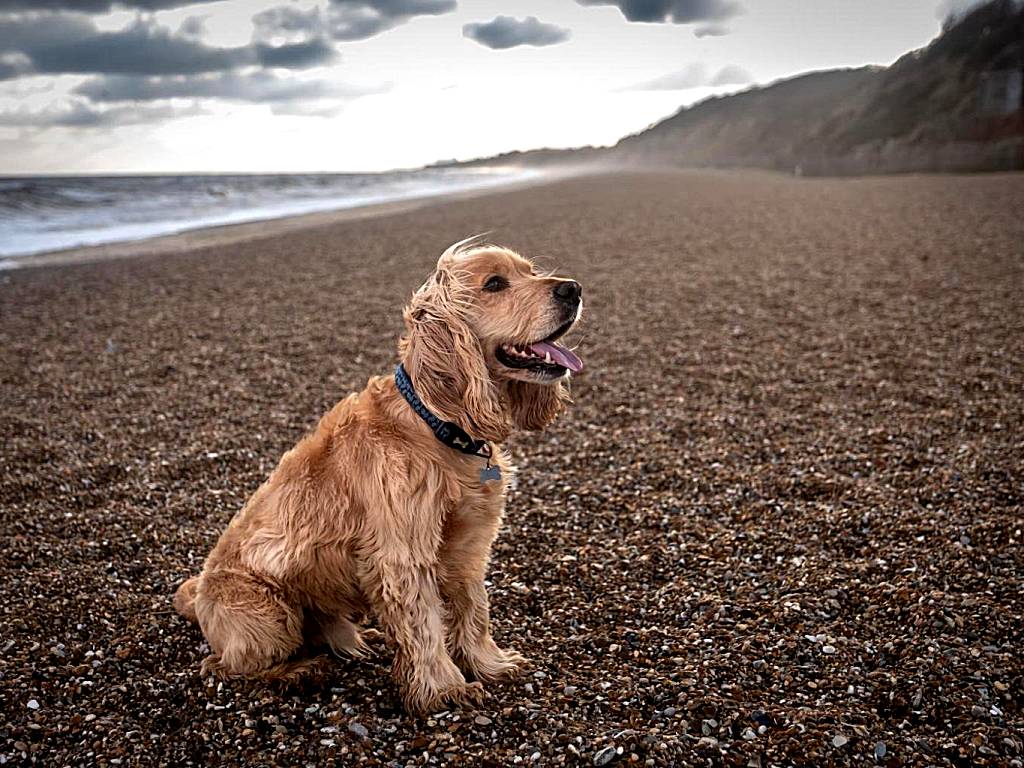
x=449, y=433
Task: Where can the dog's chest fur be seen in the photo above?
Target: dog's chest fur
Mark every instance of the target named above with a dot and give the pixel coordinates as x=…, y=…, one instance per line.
x=481, y=501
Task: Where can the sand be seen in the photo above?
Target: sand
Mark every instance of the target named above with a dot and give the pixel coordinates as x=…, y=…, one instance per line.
x=781, y=525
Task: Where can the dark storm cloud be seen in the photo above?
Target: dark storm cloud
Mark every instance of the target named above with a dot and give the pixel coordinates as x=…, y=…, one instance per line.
x=674, y=11
x=507, y=32
x=255, y=87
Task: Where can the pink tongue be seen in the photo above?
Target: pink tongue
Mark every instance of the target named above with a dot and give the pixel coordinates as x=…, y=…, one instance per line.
x=559, y=355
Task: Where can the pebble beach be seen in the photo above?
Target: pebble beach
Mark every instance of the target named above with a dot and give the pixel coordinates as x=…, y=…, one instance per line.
x=782, y=523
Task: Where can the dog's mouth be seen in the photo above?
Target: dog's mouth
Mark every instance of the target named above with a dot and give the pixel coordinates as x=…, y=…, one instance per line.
x=545, y=357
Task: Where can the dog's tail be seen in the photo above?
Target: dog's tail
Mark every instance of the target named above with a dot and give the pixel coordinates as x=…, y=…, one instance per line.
x=185, y=599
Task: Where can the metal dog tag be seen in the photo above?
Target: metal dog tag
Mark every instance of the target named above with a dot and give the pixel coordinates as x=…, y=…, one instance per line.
x=489, y=473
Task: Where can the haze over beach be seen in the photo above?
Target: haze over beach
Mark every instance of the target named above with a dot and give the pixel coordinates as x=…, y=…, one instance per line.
x=780, y=523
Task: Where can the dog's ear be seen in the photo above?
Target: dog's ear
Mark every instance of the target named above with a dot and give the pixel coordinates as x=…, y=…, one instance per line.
x=534, y=406
x=445, y=361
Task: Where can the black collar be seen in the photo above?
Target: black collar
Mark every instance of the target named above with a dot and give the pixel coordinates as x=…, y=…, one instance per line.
x=449, y=433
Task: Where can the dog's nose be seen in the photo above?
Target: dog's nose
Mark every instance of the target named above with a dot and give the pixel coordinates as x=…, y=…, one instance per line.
x=569, y=292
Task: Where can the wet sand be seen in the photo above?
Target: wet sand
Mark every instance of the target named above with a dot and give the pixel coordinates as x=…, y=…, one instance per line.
x=781, y=525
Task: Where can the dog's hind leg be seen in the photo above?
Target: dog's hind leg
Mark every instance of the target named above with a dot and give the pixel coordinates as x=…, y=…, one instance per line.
x=344, y=637
x=185, y=599
x=286, y=672
x=251, y=627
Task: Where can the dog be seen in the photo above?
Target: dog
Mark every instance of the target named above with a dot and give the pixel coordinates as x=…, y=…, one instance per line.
x=388, y=509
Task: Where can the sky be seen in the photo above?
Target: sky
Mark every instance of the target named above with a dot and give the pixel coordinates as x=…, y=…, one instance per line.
x=173, y=86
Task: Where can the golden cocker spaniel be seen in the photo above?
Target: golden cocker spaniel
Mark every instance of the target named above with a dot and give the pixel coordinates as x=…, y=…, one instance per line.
x=390, y=506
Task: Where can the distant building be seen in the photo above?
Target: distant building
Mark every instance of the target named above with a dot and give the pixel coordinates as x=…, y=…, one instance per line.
x=1001, y=92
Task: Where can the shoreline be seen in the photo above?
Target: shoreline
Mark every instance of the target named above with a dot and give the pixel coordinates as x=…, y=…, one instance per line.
x=229, y=234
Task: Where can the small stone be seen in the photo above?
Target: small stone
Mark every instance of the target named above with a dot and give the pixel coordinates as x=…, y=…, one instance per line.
x=359, y=730
x=33, y=704
x=880, y=750
x=829, y=649
x=605, y=756
x=669, y=711
x=839, y=740
x=90, y=717
x=708, y=727
x=569, y=690
x=749, y=734
x=482, y=720
x=20, y=746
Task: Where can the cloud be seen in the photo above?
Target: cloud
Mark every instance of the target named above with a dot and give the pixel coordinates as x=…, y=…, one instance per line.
x=288, y=22
x=310, y=53
x=94, y=6
x=731, y=75
x=694, y=75
x=145, y=72
x=14, y=65
x=81, y=115
x=359, y=19
x=506, y=32
x=345, y=19
x=71, y=44
x=674, y=11
x=255, y=87
x=193, y=27
x=711, y=30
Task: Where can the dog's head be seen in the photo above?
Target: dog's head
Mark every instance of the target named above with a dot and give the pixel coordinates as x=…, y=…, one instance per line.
x=482, y=341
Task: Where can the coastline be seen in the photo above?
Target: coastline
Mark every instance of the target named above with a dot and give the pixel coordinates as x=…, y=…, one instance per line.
x=228, y=234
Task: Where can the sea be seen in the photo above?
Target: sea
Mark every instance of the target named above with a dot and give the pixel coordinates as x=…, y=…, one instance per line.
x=40, y=214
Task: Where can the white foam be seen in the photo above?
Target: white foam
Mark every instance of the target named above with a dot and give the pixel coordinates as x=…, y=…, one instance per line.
x=26, y=233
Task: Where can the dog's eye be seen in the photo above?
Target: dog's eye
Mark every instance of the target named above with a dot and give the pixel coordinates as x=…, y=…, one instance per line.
x=495, y=283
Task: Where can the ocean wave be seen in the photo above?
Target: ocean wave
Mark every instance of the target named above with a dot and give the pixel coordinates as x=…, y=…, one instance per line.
x=41, y=214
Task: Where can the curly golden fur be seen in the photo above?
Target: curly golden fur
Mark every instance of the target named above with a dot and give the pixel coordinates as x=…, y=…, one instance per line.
x=371, y=515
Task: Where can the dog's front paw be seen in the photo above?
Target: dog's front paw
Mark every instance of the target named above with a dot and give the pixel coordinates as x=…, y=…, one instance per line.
x=427, y=701
x=492, y=663
x=213, y=666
